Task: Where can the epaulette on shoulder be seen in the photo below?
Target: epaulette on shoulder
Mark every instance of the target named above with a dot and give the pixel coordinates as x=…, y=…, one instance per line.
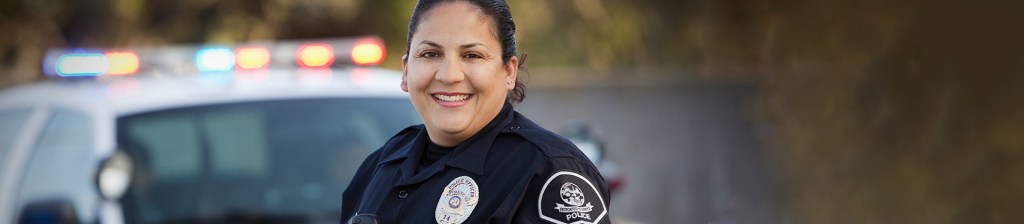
x=551, y=144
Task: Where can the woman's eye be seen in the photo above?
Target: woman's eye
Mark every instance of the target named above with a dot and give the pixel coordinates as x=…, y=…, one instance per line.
x=472, y=56
x=429, y=54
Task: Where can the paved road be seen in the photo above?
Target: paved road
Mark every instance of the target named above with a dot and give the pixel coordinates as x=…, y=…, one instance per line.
x=689, y=152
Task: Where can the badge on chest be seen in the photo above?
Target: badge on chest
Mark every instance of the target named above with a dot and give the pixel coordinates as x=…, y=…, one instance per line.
x=457, y=201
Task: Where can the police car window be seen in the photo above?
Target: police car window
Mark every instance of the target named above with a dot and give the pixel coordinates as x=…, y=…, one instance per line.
x=10, y=125
x=273, y=158
x=173, y=140
x=237, y=134
x=56, y=168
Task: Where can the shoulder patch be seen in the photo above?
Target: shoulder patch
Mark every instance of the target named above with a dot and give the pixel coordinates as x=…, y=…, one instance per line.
x=570, y=198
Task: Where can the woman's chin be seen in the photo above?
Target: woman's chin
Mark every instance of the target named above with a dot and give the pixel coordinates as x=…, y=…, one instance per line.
x=449, y=127
x=447, y=134
x=452, y=130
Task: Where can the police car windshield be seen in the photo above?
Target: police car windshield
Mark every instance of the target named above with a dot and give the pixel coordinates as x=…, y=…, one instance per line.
x=276, y=159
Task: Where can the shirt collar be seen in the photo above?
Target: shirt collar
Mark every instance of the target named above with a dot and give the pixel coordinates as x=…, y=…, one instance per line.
x=469, y=155
x=404, y=150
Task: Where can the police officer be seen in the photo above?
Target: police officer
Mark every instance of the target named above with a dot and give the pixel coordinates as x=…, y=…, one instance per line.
x=474, y=160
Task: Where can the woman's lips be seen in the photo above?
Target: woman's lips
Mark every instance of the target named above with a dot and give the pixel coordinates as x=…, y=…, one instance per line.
x=451, y=99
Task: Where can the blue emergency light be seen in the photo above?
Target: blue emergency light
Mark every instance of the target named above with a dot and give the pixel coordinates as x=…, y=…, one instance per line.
x=78, y=65
x=215, y=60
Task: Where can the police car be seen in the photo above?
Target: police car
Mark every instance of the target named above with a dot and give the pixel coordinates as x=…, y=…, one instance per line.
x=257, y=132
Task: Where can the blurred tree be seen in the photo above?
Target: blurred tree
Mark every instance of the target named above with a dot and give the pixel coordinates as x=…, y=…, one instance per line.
x=899, y=112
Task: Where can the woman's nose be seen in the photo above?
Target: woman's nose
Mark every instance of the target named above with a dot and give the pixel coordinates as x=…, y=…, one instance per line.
x=450, y=72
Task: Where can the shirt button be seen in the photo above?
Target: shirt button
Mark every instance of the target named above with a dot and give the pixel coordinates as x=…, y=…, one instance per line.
x=403, y=194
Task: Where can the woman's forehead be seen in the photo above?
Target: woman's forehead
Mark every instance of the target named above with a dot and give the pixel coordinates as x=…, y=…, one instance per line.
x=459, y=8
x=454, y=20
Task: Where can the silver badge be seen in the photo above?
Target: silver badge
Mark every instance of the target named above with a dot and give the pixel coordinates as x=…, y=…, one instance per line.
x=457, y=201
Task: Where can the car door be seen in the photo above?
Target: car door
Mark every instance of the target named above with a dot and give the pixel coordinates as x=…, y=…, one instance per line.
x=60, y=170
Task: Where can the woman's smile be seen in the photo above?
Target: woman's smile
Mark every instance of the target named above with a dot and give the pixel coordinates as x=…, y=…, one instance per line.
x=450, y=99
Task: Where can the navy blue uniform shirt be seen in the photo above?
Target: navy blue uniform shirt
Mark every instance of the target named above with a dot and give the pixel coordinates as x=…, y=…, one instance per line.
x=512, y=171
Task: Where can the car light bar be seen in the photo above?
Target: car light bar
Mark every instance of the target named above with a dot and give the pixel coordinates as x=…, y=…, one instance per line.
x=215, y=60
x=184, y=59
x=81, y=63
x=320, y=53
x=72, y=65
x=315, y=55
x=252, y=57
x=122, y=63
x=368, y=54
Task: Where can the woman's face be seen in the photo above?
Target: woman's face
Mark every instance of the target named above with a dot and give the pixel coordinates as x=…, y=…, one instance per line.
x=454, y=72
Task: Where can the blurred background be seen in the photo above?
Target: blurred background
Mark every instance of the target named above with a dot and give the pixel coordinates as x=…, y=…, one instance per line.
x=733, y=111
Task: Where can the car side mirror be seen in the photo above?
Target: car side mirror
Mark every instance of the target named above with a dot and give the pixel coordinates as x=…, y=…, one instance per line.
x=114, y=175
x=49, y=211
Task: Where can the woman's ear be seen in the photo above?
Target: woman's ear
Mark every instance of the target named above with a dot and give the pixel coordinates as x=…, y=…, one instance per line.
x=405, y=73
x=511, y=71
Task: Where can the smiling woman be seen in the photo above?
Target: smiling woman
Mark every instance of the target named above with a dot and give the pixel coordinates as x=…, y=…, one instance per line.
x=475, y=159
x=455, y=74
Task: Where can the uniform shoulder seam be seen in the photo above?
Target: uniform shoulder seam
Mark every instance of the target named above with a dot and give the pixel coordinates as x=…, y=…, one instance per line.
x=402, y=136
x=548, y=142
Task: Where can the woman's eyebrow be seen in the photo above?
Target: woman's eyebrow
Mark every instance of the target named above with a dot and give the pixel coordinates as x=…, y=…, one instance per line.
x=464, y=46
x=431, y=43
x=474, y=44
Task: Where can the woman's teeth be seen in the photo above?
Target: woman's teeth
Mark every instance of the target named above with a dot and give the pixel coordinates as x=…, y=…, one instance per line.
x=454, y=98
